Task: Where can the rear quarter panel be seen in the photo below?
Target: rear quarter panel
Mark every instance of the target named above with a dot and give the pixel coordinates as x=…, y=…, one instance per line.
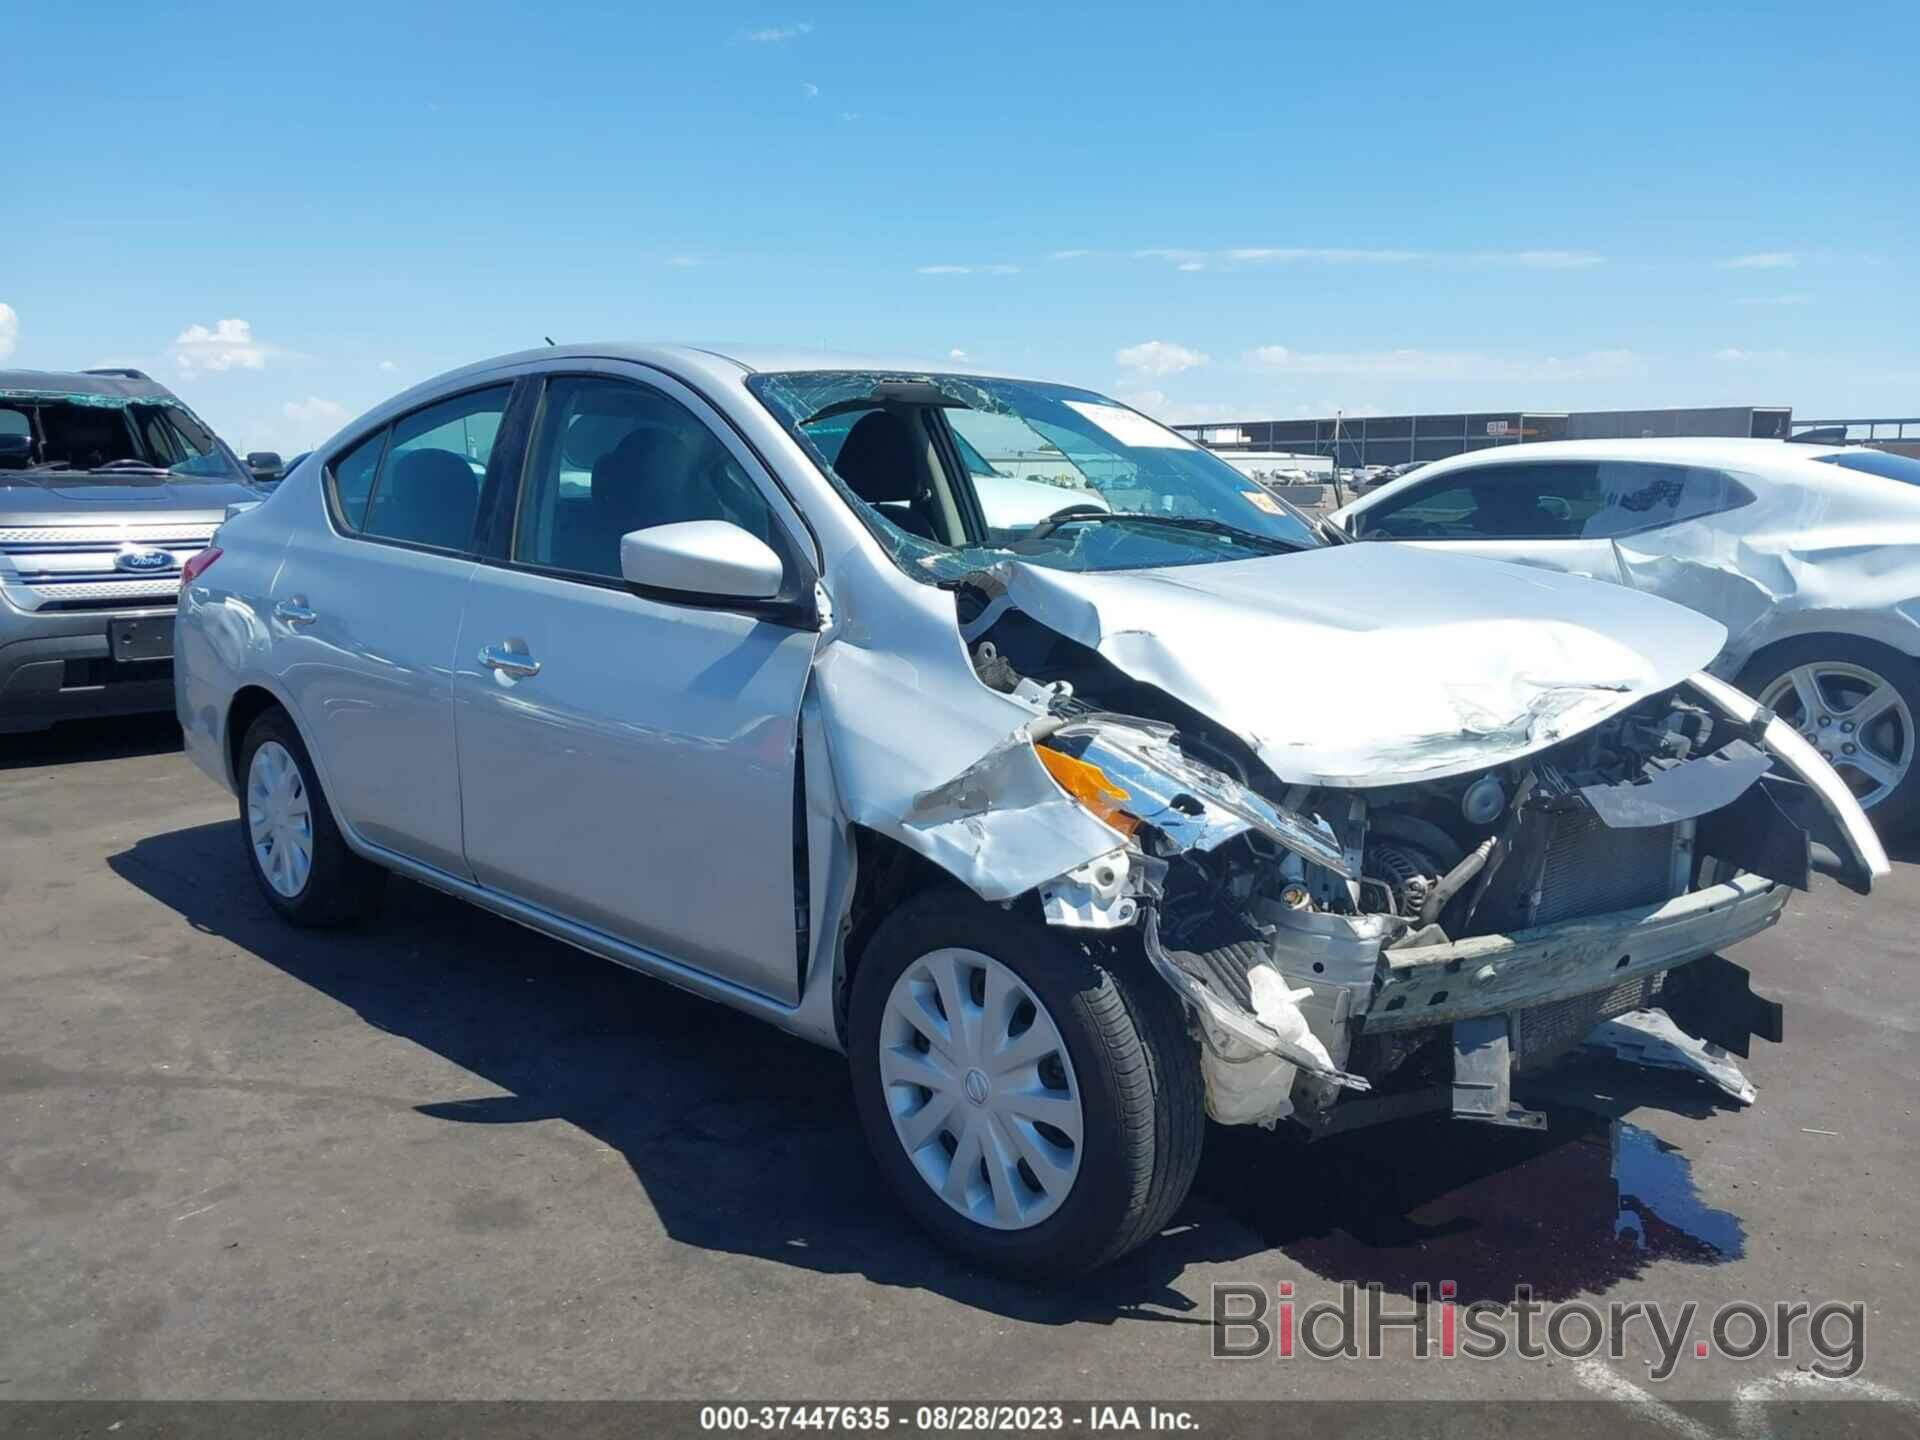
x=221, y=636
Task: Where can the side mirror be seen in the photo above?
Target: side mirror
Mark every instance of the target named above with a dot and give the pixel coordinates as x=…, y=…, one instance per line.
x=715, y=559
x=16, y=451
x=265, y=465
x=1556, y=506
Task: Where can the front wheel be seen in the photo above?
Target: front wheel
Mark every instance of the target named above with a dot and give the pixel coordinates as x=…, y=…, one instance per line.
x=1032, y=1104
x=1855, y=703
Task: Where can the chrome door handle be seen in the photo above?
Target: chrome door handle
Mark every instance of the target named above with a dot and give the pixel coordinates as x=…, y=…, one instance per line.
x=293, y=612
x=516, y=663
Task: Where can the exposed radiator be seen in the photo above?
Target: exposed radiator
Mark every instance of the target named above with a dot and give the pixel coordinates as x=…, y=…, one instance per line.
x=1542, y=1032
x=1591, y=868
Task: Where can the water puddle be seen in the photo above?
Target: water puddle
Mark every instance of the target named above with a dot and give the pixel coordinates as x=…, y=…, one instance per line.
x=1588, y=1203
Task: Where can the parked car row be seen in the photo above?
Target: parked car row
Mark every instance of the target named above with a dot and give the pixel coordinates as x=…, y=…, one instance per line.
x=1074, y=819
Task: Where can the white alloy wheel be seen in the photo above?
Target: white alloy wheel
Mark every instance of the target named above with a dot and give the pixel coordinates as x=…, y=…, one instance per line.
x=279, y=819
x=1853, y=717
x=981, y=1089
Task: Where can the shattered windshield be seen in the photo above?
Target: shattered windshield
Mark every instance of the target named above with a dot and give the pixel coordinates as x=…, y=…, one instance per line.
x=108, y=435
x=955, y=473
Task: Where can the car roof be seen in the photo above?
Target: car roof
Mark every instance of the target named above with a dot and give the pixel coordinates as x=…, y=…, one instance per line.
x=117, y=385
x=747, y=359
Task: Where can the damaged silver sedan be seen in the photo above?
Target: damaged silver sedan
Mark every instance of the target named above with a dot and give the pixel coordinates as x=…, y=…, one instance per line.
x=1074, y=786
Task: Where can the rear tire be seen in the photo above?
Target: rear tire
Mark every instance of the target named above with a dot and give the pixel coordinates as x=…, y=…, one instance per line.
x=1848, y=679
x=1113, y=1043
x=293, y=846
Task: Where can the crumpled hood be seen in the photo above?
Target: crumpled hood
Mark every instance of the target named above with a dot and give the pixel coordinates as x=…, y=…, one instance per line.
x=1363, y=665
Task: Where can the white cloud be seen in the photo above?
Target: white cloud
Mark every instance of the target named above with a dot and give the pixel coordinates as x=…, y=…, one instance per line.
x=1733, y=354
x=849, y=115
x=229, y=345
x=1071, y=254
x=967, y=270
x=775, y=34
x=1761, y=260
x=9, y=329
x=1771, y=300
x=300, y=425
x=1445, y=365
x=1349, y=255
x=809, y=90
x=1545, y=259
x=1192, y=265
x=685, y=262
x=1159, y=357
x=313, y=411
x=1150, y=401
x=1269, y=254
x=388, y=365
x=956, y=353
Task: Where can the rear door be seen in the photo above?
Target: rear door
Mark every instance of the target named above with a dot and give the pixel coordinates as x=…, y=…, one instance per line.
x=628, y=762
x=365, y=614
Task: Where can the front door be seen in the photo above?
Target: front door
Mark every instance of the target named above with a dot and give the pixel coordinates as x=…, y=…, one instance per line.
x=629, y=763
x=1547, y=514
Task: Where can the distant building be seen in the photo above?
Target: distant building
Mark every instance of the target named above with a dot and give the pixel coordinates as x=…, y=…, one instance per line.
x=1405, y=439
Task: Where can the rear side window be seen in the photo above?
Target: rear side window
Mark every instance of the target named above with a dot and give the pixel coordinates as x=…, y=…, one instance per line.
x=1646, y=497
x=419, y=480
x=351, y=480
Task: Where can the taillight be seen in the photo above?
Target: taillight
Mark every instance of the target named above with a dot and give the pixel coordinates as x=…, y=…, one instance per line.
x=197, y=566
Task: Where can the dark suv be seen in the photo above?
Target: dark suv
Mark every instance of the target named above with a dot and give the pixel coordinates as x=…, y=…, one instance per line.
x=108, y=484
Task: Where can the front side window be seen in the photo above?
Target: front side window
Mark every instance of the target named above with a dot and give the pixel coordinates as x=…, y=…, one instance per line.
x=1553, y=500
x=955, y=473
x=610, y=457
x=1498, y=502
x=427, y=488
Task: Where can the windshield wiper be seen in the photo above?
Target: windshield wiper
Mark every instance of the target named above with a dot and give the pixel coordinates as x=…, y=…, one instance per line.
x=1197, y=523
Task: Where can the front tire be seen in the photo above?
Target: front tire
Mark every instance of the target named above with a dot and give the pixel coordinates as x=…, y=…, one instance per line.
x=1856, y=703
x=303, y=867
x=1033, y=1105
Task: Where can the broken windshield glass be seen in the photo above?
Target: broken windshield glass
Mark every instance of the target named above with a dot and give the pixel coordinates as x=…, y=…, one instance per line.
x=953, y=473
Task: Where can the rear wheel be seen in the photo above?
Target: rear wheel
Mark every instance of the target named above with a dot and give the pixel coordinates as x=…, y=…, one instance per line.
x=293, y=846
x=1855, y=702
x=1032, y=1105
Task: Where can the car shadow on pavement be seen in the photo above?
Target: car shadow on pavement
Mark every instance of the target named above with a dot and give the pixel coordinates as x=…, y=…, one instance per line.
x=706, y=1105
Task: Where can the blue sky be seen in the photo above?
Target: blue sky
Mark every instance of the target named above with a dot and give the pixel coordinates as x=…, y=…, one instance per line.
x=1216, y=211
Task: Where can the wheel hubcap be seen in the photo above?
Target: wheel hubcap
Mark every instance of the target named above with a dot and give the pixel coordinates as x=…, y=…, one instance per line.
x=279, y=819
x=1854, y=718
x=981, y=1089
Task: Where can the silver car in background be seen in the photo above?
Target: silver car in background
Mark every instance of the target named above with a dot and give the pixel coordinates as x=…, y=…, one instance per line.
x=1808, y=554
x=1071, y=829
